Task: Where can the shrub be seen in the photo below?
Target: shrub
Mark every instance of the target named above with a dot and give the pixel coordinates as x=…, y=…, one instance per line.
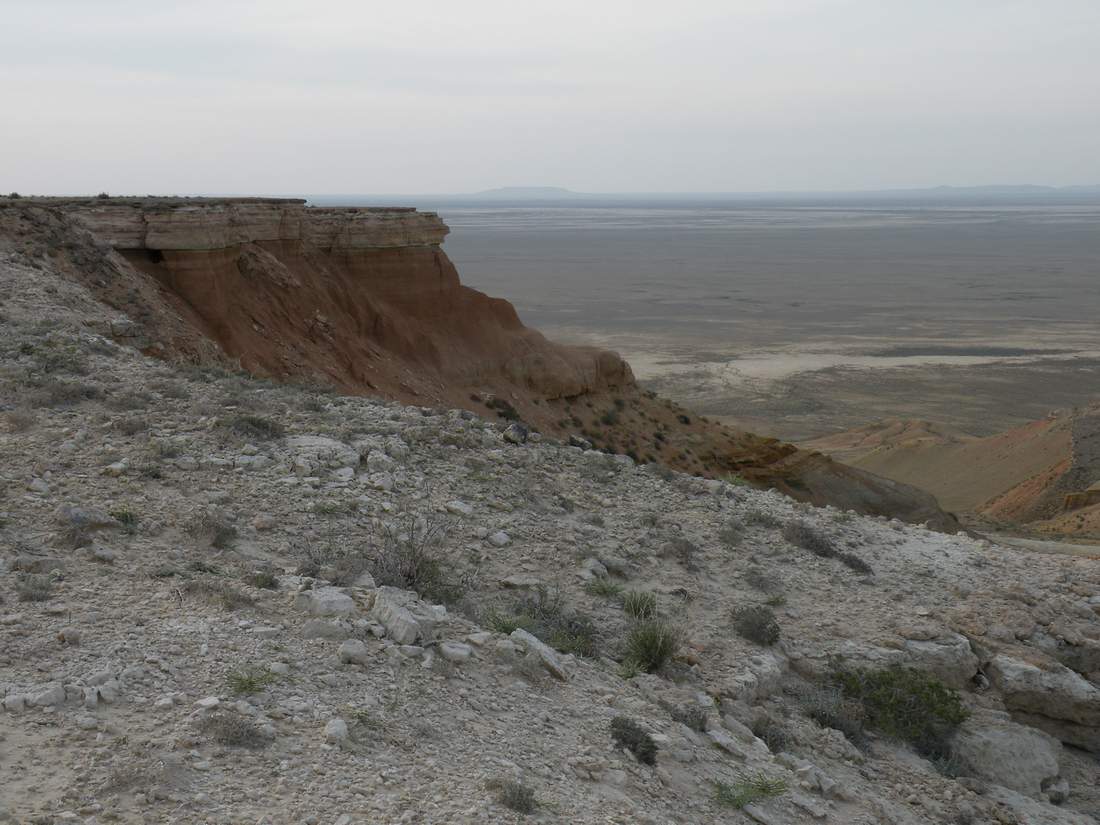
x=233, y=730
x=515, y=796
x=402, y=555
x=34, y=587
x=801, y=534
x=256, y=428
x=640, y=604
x=694, y=716
x=762, y=581
x=682, y=551
x=855, y=563
x=219, y=592
x=747, y=790
x=651, y=644
x=757, y=624
x=127, y=520
x=211, y=529
x=632, y=736
x=829, y=707
x=604, y=588
x=907, y=704
x=545, y=615
x=732, y=533
x=762, y=518
x=249, y=680
x=772, y=732
x=264, y=579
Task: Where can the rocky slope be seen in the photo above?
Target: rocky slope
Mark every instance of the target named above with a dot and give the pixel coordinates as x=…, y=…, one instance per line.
x=1042, y=474
x=366, y=300
x=200, y=619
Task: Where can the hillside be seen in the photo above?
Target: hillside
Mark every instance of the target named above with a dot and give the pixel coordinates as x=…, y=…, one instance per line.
x=365, y=300
x=1042, y=474
x=199, y=619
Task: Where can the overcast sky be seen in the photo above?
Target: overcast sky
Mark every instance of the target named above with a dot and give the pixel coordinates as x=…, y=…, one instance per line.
x=345, y=96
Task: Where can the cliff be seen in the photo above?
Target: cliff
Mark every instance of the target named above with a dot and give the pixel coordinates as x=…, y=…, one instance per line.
x=365, y=300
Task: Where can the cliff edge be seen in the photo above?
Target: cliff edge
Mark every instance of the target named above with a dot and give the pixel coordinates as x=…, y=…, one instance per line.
x=365, y=300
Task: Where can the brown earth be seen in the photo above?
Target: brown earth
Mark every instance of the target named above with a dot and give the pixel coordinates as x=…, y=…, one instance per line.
x=367, y=302
x=1037, y=475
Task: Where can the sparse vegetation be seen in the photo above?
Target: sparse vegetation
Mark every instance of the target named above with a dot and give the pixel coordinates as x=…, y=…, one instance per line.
x=683, y=551
x=694, y=716
x=748, y=789
x=402, y=554
x=757, y=624
x=830, y=708
x=773, y=732
x=544, y=614
x=218, y=592
x=632, y=736
x=264, y=579
x=233, y=730
x=249, y=680
x=255, y=428
x=211, y=529
x=127, y=520
x=801, y=534
x=762, y=518
x=732, y=532
x=604, y=588
x=515, y=796
x=906, y=704
x=640, y=604
x=34, y=587
x=651, y=644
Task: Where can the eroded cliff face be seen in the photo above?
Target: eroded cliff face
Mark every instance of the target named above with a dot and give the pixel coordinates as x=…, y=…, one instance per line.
x=366, y=300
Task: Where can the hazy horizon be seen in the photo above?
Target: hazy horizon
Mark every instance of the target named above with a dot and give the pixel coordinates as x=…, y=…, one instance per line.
x=714, y=96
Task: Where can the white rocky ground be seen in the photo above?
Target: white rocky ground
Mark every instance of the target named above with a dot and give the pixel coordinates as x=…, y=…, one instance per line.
x=139, y=500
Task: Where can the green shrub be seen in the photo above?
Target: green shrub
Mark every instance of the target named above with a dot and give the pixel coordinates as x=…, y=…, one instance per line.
x=757, y=624
x=906, y=704
x=640, y=604
x=605, y=588
x=544, y=614
x=249, y=680
x=632, y=736
x=747, y=790
x=651, y=644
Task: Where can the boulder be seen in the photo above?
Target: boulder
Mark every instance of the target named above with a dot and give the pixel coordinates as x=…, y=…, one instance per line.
x=542, y=652
x=1053, y=698
x=992, y=747
x=315, y=452
x=325, y=601
x=404, y=616
x=354, y=652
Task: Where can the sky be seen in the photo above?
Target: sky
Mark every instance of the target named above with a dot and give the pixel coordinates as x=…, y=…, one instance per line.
x=437, y=96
